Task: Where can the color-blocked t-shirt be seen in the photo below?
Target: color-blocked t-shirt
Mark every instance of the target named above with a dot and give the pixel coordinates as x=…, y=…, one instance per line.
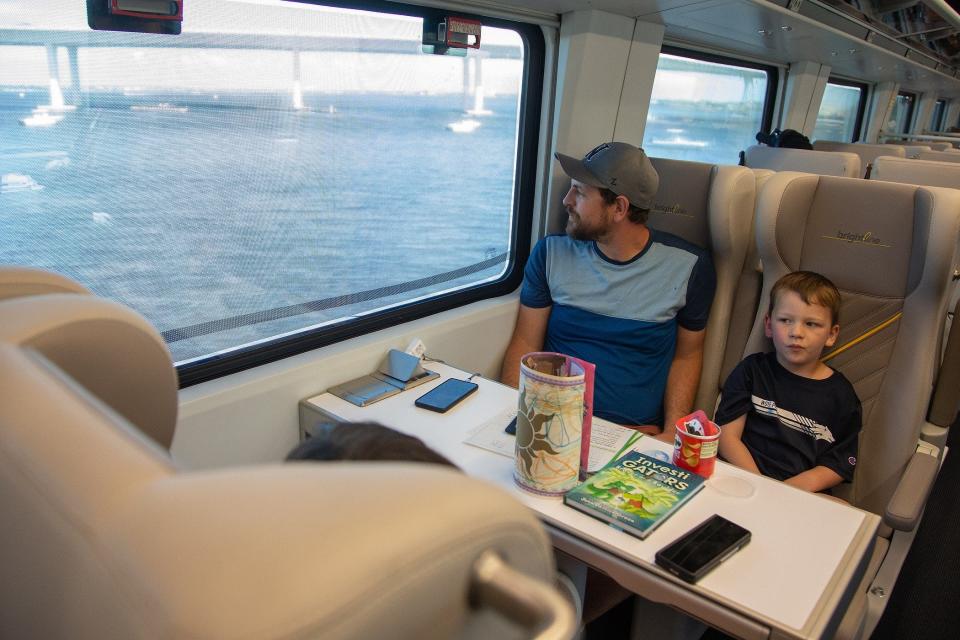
x=793, y=423
x=621, y=316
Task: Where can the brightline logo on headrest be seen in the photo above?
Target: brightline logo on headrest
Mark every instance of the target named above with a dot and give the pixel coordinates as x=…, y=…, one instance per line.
x=671, y=209
x=858, y=238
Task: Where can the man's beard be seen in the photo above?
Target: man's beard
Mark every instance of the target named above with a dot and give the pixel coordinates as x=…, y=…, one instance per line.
x=578, y=231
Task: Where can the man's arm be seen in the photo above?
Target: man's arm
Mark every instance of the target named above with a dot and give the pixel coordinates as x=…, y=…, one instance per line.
x=732, y=448
x=816, y=479
x=683, y=379
x=528, y=336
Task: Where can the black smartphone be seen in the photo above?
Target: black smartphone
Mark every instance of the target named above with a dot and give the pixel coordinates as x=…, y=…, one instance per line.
x=446, y=395
x=695, y=553
x=512, y=427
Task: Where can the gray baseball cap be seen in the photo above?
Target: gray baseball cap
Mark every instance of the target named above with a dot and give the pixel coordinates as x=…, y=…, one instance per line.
x=619, y=167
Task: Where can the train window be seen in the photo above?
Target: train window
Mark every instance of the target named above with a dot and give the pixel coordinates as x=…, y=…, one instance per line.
x=902, y=114
x=280, y=176
x=936, y=118
x=706, y=108
x=841, y=111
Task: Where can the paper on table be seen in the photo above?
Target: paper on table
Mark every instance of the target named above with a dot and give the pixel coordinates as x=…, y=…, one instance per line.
x=608, y=442
x=491, y=435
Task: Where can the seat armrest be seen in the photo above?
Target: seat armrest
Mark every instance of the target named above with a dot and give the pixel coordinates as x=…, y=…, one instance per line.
x=905, y=506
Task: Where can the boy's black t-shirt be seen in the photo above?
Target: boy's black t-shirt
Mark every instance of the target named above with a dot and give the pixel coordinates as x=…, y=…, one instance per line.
x=793, y=423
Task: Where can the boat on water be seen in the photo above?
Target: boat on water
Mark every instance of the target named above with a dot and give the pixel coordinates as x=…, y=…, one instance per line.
x=466, y=125
x=13, y=182
x=41, y=118
x=162, y=106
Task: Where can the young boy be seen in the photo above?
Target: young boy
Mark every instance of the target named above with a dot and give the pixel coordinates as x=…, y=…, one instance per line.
x=786, y=414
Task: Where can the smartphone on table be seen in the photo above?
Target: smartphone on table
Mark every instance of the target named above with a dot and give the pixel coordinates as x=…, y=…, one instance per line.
x=446, y=395
x=695, y=553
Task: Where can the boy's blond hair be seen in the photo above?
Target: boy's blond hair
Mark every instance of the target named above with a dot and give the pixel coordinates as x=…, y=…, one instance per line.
x=812, y=288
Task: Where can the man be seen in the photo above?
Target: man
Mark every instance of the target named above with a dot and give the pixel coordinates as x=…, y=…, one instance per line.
x=632, y=300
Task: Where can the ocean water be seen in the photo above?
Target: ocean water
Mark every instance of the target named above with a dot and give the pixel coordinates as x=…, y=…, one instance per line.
x=196, y=209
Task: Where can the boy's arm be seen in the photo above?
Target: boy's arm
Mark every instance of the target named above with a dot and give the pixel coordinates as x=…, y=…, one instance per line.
x=816, y=479
x=682, y=381
x=732, y=448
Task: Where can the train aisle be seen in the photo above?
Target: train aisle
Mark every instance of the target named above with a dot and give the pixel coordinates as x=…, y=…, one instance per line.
x=924, y=603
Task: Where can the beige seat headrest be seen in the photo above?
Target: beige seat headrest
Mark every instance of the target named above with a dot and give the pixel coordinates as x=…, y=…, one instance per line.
x=108, y=349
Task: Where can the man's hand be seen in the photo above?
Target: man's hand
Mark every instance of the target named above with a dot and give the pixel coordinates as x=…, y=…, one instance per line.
x=528, y=336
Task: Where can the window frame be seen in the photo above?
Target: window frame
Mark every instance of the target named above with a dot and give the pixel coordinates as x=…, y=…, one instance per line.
x=772, y=71
x=217, y=365
x=861, y=105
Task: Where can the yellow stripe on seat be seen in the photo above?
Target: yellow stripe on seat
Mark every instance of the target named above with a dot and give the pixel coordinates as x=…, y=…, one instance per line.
x=863, y=336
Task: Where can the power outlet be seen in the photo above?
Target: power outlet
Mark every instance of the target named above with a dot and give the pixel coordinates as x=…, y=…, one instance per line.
x=416, y=348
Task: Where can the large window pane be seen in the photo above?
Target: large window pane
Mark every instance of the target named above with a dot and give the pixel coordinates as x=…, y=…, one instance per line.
x=839, y=113
x=279, y=166
x=704, y=111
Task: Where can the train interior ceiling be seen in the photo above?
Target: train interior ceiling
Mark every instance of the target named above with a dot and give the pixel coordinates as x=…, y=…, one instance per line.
x=289, y=189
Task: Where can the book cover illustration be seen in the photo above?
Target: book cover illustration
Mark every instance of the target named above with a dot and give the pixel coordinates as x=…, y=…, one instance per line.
x=635, y=493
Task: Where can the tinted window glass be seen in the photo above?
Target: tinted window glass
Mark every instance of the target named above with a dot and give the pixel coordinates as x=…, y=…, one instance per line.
x=936, y=118
x=705, y=110
x=839, y=114
x=901, y=114
x=279, y=167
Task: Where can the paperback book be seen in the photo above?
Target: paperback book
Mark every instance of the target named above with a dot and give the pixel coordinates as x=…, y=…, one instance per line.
x=635, y=493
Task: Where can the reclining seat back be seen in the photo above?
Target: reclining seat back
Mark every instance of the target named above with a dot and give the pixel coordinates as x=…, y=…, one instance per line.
x=867, y=152
x=930, y=173
x=824, y=163
x=710, y=206
x=890, y=249
x=939, y=156
x=745, y=301
x=101, y=537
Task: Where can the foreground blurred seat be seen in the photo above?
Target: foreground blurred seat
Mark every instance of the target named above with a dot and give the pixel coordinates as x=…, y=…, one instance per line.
x=102, y=537
x=710, y=206
x=824, y=163
x=890, y=249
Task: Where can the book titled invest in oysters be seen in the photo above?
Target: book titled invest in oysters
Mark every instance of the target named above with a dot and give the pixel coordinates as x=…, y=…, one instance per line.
x=635, y=493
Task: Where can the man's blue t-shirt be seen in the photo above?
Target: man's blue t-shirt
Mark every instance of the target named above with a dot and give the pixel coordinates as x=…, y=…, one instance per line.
x=621, y=316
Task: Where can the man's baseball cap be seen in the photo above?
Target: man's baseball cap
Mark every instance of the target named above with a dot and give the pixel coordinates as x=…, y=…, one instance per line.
x=619, y=167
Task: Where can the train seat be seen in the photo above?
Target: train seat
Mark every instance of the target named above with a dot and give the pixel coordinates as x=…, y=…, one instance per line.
x=890, y=249
x=26, y=281
x=867, y=152
x=939, y=156
x=712, y=207
x=913, y=150
x=745, y=302
x=103, y=537
x=930, y=173
x=943, y=408
x=824, y=163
